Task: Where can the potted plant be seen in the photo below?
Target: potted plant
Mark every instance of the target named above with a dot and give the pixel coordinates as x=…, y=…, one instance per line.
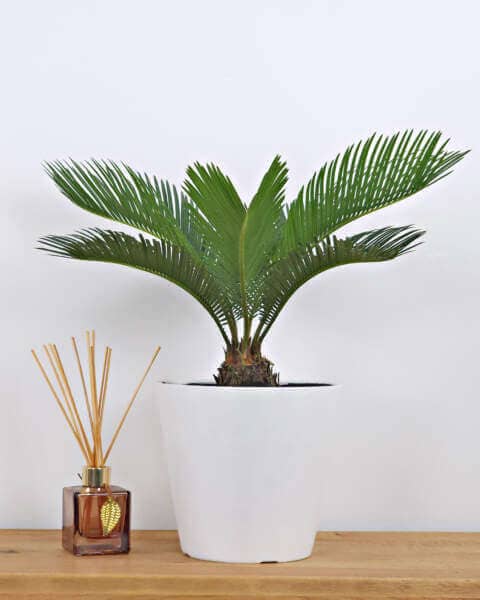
x=242, y=450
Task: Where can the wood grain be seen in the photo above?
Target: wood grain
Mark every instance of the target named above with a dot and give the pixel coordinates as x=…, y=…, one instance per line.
x=353, y=566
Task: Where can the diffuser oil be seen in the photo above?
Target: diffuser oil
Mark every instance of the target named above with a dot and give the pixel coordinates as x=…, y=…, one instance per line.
x=96, y=515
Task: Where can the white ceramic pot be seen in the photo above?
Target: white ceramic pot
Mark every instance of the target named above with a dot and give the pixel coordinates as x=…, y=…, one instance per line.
x=243, y=467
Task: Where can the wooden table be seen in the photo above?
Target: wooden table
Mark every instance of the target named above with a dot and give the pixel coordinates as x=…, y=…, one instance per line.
x=363, y=566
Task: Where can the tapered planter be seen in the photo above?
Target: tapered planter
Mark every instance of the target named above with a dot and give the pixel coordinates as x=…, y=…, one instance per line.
x=243, y=467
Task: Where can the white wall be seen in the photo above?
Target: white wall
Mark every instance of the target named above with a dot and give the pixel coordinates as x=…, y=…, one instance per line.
x=160, y=84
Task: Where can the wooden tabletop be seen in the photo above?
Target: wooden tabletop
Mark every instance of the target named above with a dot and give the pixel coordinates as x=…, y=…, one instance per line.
x=356, y=566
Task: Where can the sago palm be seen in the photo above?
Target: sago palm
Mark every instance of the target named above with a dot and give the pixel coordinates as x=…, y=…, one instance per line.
x=243, y=262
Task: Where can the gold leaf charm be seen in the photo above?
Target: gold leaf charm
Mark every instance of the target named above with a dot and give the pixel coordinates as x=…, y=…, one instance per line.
x=110, y=515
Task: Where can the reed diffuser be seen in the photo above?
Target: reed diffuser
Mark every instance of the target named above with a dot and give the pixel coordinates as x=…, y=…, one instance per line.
x=96, y=514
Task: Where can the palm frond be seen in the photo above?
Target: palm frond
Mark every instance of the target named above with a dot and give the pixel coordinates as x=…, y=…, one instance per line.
x=219, y=217
x=259, y=236
x=368, y=176
x=129, y=197
x=289, y=273
x=154, y=256
x=240, y=240
x=263, y=221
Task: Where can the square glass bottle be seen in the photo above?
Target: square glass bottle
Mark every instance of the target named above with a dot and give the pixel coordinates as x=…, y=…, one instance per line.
x=96, y=515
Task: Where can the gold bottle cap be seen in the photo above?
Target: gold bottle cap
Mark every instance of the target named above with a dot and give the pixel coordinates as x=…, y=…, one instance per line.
x=95, y=476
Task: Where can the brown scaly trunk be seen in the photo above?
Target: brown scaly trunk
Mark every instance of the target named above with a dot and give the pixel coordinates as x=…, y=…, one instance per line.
x=247, y=368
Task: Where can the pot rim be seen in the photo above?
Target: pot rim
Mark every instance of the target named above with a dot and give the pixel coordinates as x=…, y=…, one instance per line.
x=284, y=387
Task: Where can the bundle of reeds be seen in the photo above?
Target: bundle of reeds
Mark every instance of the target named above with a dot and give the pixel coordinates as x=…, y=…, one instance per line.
x=95, y=394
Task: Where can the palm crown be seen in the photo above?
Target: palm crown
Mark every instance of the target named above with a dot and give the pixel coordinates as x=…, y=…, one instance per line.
x=243, y=262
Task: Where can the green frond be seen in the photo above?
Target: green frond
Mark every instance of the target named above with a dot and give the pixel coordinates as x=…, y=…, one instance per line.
x=124, y=195
x=368, y=176
x=264, y=219
x=290, y=273
x=260, y=234
x=240, y=240
x=220, y=218
x=154, y=256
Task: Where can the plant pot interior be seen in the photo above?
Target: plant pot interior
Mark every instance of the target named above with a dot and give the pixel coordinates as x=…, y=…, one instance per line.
x=282, y=385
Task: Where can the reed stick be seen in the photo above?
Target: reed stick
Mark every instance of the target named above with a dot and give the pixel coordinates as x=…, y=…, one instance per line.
x=60, y=405
x=71, y=398
x=69, y=402
x=105, y=374
x=61, y=386
x=84, y=385
x=95, y=402
x=94, y=397
x=135, y=393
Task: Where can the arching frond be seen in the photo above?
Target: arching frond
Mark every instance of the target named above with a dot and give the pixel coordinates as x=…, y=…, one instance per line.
x=368, y=176
x=155, y=256
x=262, y=226
x=120, y=193
x=220, y=216
x=290, y=273
x=260, y=234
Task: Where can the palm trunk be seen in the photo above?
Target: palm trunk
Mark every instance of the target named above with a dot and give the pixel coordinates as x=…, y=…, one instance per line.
x=246, y=367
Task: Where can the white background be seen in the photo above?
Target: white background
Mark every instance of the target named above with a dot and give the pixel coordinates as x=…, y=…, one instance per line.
x=161, y=84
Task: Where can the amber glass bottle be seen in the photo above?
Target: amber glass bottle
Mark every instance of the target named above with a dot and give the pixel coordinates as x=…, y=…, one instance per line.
x=96, y=515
